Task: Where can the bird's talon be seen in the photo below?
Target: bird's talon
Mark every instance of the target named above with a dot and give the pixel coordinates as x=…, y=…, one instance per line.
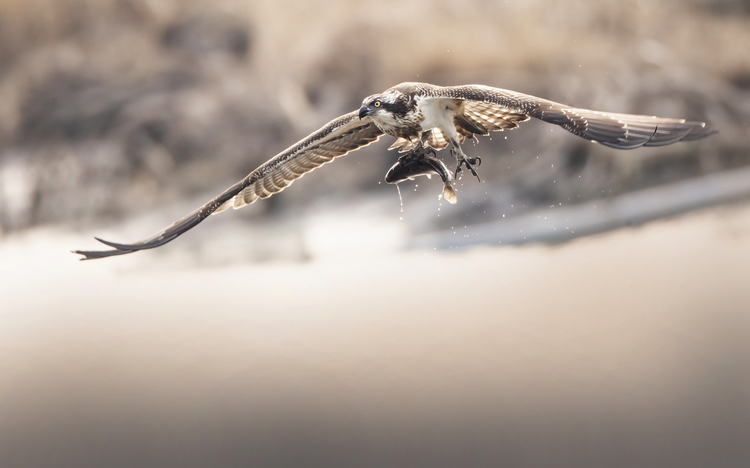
x=470, y=162
x=474, y=173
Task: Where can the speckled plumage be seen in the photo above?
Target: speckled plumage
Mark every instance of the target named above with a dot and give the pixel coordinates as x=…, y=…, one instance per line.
x=407, y=112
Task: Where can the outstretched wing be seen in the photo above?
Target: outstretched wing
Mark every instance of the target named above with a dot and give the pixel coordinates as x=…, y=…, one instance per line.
x=337, y=138
x=488, y=109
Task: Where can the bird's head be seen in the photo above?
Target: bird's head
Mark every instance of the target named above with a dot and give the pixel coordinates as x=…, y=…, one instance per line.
x=371, y=106
x=384, y=105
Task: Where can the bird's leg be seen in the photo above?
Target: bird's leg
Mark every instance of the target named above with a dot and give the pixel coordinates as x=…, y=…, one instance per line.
x=462, y=159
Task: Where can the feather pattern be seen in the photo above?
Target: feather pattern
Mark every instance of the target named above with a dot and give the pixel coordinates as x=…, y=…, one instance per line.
x=494, y=109
x=403, y=144
x=337, y=138
x=437, y=140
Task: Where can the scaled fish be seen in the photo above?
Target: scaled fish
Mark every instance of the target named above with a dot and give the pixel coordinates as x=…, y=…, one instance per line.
x=407, y=168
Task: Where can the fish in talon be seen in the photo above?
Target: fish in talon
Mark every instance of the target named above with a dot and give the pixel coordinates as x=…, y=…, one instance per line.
x=409, y=168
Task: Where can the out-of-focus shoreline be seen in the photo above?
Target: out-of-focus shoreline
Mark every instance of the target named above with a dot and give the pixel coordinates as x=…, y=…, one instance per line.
x=629, y=345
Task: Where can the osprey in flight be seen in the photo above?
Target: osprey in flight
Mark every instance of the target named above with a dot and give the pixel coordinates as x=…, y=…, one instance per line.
x=423, y=118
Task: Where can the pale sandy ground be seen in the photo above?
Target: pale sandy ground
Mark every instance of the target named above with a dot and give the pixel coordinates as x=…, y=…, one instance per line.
x=623, y=349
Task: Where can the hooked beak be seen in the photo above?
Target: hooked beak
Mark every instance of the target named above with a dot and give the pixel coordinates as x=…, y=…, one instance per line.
x=364, y=111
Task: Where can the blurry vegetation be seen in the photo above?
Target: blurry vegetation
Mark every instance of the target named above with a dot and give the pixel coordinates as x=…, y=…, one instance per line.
x=110, y=107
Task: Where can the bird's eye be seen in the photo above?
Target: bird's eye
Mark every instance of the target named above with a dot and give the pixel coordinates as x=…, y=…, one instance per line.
x=376, y=103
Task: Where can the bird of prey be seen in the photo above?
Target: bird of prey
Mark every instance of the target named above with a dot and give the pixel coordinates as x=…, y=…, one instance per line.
x=423, y=118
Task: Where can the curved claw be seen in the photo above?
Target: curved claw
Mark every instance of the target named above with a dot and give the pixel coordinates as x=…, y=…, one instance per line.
x=473, y=172
x=469, y=163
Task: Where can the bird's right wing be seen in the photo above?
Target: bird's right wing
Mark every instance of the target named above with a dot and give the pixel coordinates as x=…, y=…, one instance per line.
x=337, y=138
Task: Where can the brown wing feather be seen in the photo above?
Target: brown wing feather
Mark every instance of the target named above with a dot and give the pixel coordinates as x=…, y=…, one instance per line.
x=337, y=138
x=403, y=145
x=497, y=109
x=465, y=123
x=492, y=117
x=285, y=170
x=436, y=139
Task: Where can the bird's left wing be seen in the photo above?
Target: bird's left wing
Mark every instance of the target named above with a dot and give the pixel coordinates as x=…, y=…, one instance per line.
x=484, y=109
x=490, y=109
x=339, y=137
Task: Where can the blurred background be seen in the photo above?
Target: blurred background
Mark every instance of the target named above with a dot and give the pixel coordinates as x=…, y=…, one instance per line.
x=581, y=306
